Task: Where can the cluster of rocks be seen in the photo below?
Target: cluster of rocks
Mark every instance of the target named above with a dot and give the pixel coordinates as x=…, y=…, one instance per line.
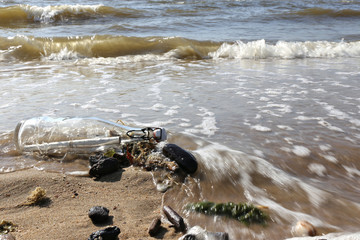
x=100, y=215
x=194, y=233
x=144, y=154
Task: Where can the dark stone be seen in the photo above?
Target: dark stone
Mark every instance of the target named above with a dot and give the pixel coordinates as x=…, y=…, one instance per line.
x=154, y=227
x=109, y=233
x=183, y=158
x=175, y=219
x=94, y=159
x=123, y=161
x=103, y=166
x=189, y=237
x=98, y=214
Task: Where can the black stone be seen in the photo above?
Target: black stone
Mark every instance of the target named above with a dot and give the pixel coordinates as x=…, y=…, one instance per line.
x=183, y=158
x=103, y=166
x=123, y=161
x=98, y=214
x=154, y=227
x=109, y=233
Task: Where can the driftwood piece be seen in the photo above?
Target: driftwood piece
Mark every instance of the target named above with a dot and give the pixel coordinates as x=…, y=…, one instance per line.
x=174, y=218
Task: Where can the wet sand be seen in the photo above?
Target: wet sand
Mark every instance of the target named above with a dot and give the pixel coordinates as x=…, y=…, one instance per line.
x=130, y=195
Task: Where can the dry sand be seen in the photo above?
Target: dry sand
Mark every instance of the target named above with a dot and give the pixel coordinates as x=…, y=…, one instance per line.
x=129, y=194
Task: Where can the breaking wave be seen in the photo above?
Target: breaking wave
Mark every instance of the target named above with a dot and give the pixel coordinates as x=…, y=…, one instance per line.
x=287, y=50
x=18, y=15
x=107, y=46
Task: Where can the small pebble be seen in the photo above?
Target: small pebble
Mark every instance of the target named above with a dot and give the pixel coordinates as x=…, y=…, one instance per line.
x=304, y=229
x=98, y=214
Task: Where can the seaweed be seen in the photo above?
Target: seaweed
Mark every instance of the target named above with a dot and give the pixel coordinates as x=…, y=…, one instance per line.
x=245, y=213
x=37, y=197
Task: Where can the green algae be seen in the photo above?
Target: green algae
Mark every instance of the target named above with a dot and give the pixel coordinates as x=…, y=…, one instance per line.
x=242, y=212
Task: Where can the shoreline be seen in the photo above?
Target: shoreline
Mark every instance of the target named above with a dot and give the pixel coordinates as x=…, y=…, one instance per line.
x=129, y=194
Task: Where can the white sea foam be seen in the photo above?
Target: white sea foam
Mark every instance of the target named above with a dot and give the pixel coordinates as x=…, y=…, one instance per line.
x=157, y=107
x=171, y=112
x=317, y=168
x=288, y=50
x=301, y=151
x=330, y=158
x=63, y=54
x=261, y=128
x=284, y=127
x=108, y=110
x=47, y=14
x=352, y=172
x=208, y=124
x=325, y=147
x=329, y=126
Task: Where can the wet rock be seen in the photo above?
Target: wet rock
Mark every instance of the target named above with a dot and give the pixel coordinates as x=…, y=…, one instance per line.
x=183, y=158
x=103, y=166
x=304, y=229
x=98, y=214
x=154, y=227
x=109, y=233
x=174, y=218
x=198, y=233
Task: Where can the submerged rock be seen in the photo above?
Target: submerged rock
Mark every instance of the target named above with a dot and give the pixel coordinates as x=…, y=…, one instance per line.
x=109, y=233
x=103, y=166
x=98, y=214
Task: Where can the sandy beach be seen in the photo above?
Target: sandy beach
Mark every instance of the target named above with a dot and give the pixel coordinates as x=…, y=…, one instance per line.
x=129, y=194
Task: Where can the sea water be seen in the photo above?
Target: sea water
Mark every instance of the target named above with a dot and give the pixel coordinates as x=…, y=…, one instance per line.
x=265, y=94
